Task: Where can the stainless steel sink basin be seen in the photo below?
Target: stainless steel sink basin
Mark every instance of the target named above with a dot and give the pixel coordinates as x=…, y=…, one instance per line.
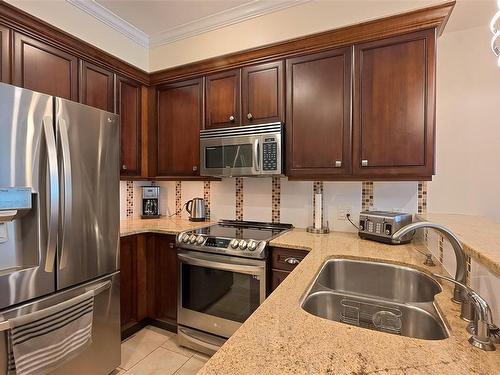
x=378, y=296
x=378, y=280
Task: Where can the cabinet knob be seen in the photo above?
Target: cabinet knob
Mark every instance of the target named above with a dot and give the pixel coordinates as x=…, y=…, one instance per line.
x=231, y=118
x=364, y=163
x=338, y=163
x=292, y=261
x=249, y=116
x=124, y=167
x=195, y=168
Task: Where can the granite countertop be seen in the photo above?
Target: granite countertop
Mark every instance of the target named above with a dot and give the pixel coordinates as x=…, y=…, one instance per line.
x=480, y=236
x=281, y=338
x=162, y=225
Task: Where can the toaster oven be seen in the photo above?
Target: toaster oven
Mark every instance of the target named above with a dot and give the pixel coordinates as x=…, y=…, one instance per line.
x=381, y=225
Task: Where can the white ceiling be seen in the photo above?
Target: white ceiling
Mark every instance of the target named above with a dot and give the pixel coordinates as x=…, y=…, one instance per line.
x=156, y=22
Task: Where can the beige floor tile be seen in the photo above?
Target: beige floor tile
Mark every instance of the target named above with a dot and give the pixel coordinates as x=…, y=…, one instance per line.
x=172, y=345
x=161, y=331
x=160, y=362
x=192, y=366
x=140, y=345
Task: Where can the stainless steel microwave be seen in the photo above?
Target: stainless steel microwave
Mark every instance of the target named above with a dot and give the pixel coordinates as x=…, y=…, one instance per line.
x=253, y=150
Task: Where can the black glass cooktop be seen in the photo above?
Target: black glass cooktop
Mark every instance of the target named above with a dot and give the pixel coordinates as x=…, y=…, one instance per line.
x=244, y=230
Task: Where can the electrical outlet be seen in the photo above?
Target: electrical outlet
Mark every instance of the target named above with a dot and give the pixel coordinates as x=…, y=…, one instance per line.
x=342, y=213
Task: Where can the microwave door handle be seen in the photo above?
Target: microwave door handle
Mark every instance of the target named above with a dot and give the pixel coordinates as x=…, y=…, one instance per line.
x=220, y=265
x=53, y=204
x=256, y=154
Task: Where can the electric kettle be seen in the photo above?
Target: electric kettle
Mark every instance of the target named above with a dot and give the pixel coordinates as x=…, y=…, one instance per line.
x=196, y=209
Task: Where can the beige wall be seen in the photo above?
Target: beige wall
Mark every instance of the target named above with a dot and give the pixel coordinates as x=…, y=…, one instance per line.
x=304, y=19
x=65, y=16
x=468, y=126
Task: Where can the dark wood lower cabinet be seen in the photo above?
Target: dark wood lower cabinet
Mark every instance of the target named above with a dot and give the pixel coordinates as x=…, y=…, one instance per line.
x=149, y=271
x=281, y=262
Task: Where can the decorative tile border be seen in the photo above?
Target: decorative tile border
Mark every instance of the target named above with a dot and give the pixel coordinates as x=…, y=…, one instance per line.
x=366, y=195
x=206, y=197
x=468, y=270
x=276, y=200
x=422, y=197
x=178, y=198
x=239, y=198
x=129, y=208
x=317, y=189
x=441, y=249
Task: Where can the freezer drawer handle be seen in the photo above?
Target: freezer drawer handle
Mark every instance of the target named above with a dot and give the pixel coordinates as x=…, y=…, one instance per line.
x=4, y=324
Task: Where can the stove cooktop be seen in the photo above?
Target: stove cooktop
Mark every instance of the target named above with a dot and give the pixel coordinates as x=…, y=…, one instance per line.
x=231, y=237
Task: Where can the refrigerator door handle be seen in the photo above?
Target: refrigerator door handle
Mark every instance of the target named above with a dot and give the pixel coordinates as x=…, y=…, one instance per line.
x=53, y=204
x=67, y=192
x=4, y=324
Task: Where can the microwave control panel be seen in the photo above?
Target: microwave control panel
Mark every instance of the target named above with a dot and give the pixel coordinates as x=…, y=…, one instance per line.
x=270, y=154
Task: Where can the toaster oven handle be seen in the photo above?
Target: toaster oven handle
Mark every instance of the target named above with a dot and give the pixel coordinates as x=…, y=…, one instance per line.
x=256, y=154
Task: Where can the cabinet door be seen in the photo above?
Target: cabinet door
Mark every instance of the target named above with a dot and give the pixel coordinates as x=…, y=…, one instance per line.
x=277, y=277
x=318, y=114
x=223, y=99
x=394, y=106
x=97, y=87
x=166, y=271
x=180, y=118
x=4, y=54
x=262, y=93
x=128, y=281
x=40, y=67
x=128, y=95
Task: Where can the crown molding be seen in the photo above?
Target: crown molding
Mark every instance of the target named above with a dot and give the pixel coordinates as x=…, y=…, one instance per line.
x=110, y=19
x=221, y=19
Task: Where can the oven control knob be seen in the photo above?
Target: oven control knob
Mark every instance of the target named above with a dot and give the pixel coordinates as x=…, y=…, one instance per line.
x=234, y=243
x=185, y=238
x=243, y=244
x=200, y=240
x=192, y=238
x=252, y=245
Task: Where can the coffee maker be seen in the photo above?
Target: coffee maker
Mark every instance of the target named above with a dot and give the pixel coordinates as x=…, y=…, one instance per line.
x=150, y=202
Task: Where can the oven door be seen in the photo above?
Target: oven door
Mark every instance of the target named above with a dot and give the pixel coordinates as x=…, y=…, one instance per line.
x=218, y=292
x=231, y=156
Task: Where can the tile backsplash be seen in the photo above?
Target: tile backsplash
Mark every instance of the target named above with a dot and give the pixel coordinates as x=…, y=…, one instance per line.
x=275, y=199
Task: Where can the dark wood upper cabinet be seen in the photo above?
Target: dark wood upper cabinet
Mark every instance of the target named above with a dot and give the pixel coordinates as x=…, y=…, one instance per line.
x=40, y=67
x=262, y=93
x=97, y=87
x=128, y=105
x=128, y=281
x=180, y=118
x=394, y=106
x=223, y=99
x=4, y=54
x=318, y=129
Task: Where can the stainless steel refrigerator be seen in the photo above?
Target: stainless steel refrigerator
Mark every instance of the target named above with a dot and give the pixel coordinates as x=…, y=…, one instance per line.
x=59, y=216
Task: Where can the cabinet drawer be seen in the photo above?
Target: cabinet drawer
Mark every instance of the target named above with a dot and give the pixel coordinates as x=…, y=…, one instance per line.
x=286, y=259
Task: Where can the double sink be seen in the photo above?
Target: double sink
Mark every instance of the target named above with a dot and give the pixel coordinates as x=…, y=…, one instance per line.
x=378, y=296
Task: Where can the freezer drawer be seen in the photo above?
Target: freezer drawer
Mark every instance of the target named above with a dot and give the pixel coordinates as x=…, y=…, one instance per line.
x=103, y=355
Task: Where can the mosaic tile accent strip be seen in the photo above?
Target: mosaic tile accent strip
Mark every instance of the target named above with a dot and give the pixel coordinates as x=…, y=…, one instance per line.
x=206, y=197
x=468, y=270
x=317, y=189
x=422, y=197
x=129, y=208
x=178, y=198
x=276, y=200
x=367, y=195
x=239, y=198
x=441, y=249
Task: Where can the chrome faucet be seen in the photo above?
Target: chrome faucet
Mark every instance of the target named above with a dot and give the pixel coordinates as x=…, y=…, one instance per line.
x=485, y=333
x=458, y=293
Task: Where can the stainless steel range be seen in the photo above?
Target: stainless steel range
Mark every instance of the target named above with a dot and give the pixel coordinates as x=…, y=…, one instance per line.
x=222, y=279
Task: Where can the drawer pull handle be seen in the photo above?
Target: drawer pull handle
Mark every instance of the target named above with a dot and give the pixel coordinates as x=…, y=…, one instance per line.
x=292, y=260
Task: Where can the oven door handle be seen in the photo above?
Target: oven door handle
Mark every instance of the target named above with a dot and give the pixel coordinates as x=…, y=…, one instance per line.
x=221, y=265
